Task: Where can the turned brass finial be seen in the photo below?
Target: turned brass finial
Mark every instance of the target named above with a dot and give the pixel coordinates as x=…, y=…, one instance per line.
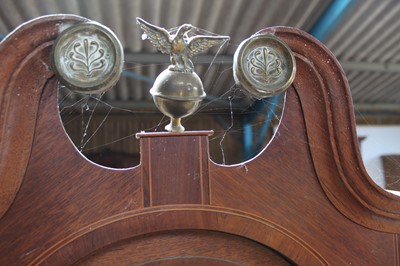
x=178, y=90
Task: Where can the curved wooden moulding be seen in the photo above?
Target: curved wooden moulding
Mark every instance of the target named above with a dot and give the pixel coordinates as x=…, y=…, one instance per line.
x=174, y=218
x=305, y=199
x=186, y=247
x=25, y=70
x=328, y=112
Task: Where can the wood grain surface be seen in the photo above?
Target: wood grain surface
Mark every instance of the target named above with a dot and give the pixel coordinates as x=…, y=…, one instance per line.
x=189, y=247
x=186, y=180
x=306, y=199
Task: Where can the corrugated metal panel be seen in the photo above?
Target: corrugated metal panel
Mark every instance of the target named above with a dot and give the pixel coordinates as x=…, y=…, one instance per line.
x=367, y=33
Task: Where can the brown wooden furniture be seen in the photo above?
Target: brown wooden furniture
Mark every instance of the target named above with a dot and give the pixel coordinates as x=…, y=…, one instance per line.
x=306, y=199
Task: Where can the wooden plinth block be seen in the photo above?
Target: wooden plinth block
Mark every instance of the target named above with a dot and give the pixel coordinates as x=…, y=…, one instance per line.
x=175, y=172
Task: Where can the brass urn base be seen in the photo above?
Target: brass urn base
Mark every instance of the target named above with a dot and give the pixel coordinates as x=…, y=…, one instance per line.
x=175, y=125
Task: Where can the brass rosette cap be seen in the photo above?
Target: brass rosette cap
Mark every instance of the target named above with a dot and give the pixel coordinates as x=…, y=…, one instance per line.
x=264, y=66
x=88, y=58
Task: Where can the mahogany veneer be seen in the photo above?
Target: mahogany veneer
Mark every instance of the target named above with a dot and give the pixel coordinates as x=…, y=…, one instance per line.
x=306, y=199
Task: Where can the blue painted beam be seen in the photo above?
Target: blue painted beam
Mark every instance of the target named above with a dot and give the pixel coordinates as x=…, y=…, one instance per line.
x=247, y=121
x=330, y=18
x=247, y=140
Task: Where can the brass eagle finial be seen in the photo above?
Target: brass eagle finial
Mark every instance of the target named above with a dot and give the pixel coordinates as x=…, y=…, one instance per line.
x=179, y=45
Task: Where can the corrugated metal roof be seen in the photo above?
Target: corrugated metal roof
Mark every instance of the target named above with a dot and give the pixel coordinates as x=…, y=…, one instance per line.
x=366, y=40
x=368, y=33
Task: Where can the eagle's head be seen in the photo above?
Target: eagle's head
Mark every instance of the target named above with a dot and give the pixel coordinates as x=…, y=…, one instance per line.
x=184, y=28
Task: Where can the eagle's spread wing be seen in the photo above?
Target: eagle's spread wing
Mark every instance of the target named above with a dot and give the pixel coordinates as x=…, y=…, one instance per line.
x=158, y=36
x=200, y=44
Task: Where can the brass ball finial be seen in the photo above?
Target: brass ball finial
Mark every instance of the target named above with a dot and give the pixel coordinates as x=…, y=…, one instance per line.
x=178, y=90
